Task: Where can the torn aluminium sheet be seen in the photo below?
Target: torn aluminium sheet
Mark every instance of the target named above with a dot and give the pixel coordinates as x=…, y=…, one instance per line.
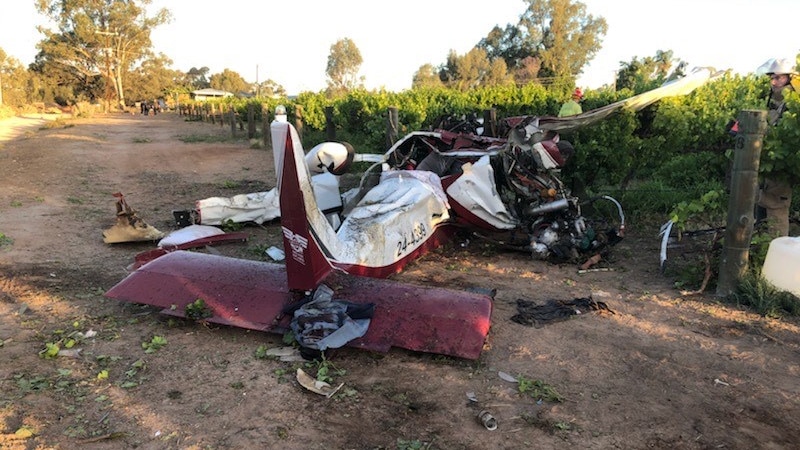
x=257, y=207
x=263, y=207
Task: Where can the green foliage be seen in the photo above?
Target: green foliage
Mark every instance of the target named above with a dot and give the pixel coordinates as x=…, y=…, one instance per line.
x=693, y=173
x=229, y=226
x=755, y=292
x=559, y=36
x=707, y=212
x=759, y=246
x=413, y=444
x=605, y=151
x=92, y=41
x=538, y=389
x=208, y=138
x=326, y=371
x=260, y=352
x=197, y=310
x=50, y=351
x=229, y=81
x=781, y=156
x=647, y=73
x=156, y=343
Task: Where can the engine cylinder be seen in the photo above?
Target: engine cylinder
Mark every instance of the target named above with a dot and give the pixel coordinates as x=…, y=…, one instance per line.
x=556, y=205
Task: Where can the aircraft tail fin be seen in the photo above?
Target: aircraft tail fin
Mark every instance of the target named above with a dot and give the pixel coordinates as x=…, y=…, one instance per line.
x=303, y=224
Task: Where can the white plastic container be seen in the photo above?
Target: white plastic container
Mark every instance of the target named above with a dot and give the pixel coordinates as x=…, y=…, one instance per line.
x=782, y=266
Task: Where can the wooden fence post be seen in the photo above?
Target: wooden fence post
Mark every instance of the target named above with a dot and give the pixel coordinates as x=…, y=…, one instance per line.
x=741, y=205
x=233, y=121
x=490, y=122
x=392, y=126
x=330, y=128
x=266, y=131
x=251, y=121
x=298, y=121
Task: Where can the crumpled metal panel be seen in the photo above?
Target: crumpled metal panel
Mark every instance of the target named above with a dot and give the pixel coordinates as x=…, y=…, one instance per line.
x=253, y=294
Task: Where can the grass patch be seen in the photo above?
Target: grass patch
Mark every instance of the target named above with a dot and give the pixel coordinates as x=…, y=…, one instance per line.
x=539, y=390
x=141, y=140
x=57, y=123
x=758, y=294
x=207, y=138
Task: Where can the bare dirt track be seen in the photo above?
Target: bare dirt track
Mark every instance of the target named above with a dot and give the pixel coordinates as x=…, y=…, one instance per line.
x=661, y=372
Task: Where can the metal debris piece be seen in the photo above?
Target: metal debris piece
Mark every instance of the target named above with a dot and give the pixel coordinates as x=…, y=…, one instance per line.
x=129, y=226
x=508, y=377
x=316, y=386
x=487, y=420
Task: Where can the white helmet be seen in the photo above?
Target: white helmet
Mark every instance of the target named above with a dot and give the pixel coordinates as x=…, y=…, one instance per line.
x=333, y=157
x=783, y=66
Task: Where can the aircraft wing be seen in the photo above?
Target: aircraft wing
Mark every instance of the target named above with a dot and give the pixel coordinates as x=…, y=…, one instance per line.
x=682, y=86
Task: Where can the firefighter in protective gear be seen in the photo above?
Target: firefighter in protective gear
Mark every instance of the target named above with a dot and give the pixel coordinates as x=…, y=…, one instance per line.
x=775, y=197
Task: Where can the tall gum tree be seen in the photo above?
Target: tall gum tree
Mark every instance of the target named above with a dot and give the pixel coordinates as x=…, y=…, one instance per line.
x=559, y=35
x=105, y=37
x=344, y=62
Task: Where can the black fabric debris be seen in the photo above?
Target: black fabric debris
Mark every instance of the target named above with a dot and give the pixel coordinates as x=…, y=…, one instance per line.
x=323, y=323
x=532, y=314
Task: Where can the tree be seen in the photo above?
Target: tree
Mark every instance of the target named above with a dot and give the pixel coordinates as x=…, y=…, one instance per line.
x=268, y=88
x=197, y=77
x=472, y=70
x=14, y=80
x=344, y=61
x=649, y=72
x=99, y=36
x=527, y=70
x=228, y=80
x=559, y=34
x=153, y=79
x=426, y=76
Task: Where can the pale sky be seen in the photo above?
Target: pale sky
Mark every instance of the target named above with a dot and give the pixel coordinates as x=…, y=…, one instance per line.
x=289, y=42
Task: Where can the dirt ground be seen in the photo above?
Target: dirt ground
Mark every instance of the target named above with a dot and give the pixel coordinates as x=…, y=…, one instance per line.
x=662, y=372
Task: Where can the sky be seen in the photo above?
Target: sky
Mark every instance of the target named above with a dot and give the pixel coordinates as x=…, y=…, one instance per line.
x=289, y=42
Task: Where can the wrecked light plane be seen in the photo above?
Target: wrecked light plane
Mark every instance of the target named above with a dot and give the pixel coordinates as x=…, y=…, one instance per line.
x=424, y=189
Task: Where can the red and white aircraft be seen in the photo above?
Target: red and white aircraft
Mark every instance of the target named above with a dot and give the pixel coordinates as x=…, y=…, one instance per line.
x=254, y=294
x=431, y=184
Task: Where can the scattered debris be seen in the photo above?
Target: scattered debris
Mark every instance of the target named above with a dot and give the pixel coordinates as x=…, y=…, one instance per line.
x=188, y=234
x=508, y=377
x=276, y=254
x=591, y=261
x=599, y=269
x=286, y=354
x=258, y=207
x=193, y=236
x=69, y=353
x=129, y=226
x=323, y=323
x=105, y=437
x=529, y=313
x=718, y=381
x=487, y=420
x=316, y=386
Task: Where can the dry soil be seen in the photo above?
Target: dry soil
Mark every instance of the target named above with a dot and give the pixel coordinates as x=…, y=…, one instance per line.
x=664, y=371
